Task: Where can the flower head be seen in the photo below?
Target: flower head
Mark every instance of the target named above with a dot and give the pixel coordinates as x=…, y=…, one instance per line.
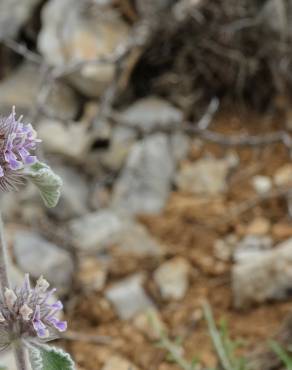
x=17, y=142
x=27, y=313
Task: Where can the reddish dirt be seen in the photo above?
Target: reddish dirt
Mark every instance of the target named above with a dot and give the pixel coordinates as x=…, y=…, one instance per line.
x=188, y=227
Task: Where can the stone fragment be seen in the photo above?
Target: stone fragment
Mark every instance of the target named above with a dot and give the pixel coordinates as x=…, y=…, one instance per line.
x=14, y=14
x=263, y=277
x=121, y=141
x=145, y=182
x=95, y=231
x=262, y=184
x=99, y=230
x=180, y=144
x=283, y=175
x=84, y=35
x=206, y=176
x=74, y=195
x=128, y=297
x=258, y=226
x=22, y=88
x=118, y=363
x=172, y=278
x=251, y=246
x=224, y=248
x=58, y=138
x=149, y=113
x=37, y=256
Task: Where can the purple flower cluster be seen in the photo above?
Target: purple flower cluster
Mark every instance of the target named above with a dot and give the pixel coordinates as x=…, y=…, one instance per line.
x=27, y=312
x=17, y=141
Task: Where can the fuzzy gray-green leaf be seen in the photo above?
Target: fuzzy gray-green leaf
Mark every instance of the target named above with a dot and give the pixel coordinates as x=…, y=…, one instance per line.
x=48, y=183
x=50, y=358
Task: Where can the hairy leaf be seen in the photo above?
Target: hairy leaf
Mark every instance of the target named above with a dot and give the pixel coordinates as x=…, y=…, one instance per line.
x=45, y=357
x=48, y=183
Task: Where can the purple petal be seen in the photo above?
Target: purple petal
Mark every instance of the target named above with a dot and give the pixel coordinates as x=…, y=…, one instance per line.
x=59, y=325
x=1, y=172
x=37, y=314
x=31, y=159
x=40, y=329
x=23, y=153
x=14, y=164
x=57, y=305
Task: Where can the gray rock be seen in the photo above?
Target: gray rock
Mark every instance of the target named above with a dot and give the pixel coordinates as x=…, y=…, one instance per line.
x=58, y=138
x=25, y=205
x=74, y=196
x=145, y=182
x=37, y=256
x=14, y=14
x=149, y=113
x=129, y=297
x=205, y=176
x=266, y=276
x=96, y=231
x=180, y=144
x=22, y=88
x=121, y=143
x=81, y=36
x=277, y=15
x=172, y=278
x=251, y=246
x=99, y=230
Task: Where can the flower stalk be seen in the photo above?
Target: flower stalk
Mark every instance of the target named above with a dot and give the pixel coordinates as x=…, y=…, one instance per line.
x=28, y=317
x=20, y=355
x=4, y=279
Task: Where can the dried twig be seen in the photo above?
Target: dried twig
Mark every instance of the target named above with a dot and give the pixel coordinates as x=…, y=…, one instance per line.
x=280, y=136
x=251, y=203
x=207, y=118
x=83, y=337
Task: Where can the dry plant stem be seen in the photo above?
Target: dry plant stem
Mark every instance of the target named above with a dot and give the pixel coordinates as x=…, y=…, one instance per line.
x=20, y=355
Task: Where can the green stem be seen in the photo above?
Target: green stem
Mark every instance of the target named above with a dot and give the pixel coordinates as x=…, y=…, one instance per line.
x=216, y=338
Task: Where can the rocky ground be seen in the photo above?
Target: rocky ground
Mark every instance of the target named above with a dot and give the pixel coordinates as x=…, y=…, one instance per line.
x=157, y=216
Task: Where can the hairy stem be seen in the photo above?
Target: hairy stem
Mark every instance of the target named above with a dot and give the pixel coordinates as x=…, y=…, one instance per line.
x=20, y=356
x=19, y=350
x=4, y=280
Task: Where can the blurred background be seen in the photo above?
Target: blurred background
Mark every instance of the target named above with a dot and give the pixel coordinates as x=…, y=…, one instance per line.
x=169, y=122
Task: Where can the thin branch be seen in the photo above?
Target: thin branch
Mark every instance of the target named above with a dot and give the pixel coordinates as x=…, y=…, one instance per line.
x=207, y=118
x=280, y=136
x=22, y=50
x=82, y=337
x=251, y=203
